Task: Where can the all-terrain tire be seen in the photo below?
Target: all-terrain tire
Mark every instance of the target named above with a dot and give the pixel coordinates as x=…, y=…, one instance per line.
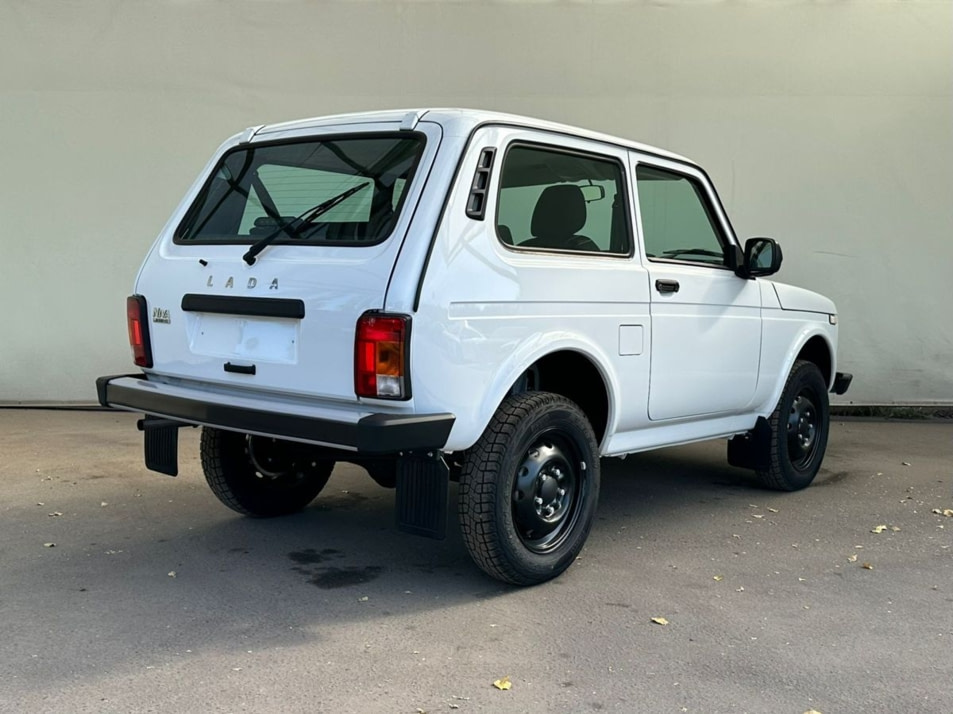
x=798, y=429
x=529, y=488
x=261, y=477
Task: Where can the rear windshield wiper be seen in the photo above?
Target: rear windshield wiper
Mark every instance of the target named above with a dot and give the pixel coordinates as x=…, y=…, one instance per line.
x=308, y=216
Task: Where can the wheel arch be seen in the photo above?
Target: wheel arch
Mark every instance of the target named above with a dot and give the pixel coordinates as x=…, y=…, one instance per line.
x=573, y=368
x=810, y=345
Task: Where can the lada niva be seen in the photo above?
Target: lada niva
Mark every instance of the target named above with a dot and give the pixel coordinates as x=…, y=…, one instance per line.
x=455, y=295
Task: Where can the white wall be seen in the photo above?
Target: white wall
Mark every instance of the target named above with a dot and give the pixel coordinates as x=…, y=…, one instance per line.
x=827, y=125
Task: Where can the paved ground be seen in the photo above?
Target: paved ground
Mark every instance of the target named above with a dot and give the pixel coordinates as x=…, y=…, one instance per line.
x=157, y=598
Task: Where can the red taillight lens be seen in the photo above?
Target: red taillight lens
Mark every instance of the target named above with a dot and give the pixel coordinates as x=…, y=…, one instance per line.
x=380, y=356
x=137, y=319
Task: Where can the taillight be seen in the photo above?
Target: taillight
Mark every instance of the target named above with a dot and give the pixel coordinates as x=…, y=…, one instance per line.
x=380, y=356
x=137, y=319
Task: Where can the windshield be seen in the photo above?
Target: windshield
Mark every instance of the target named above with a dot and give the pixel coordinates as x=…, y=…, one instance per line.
x=345, y=191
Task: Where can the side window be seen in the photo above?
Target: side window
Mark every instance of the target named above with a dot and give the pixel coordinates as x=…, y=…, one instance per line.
x=555, y=200
x=677, y=221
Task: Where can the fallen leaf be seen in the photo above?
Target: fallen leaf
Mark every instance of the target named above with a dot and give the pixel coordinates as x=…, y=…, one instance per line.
x=171, y=573
x=879, y=529
x=867, y=566
x=454, y=706
x=503, y=684
x=812, y=711
x=904, y=463
x=363, y=599
x=773, y=510
x=948, y=512
x=852, y=558
x=55, y=514
x=895, y=529
x=49, y=545
x=718, y=578
x=659, y=620
x=757, y=515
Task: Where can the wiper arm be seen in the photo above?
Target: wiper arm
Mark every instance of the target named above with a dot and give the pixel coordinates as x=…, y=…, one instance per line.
x=308, y=216
x=692, y=251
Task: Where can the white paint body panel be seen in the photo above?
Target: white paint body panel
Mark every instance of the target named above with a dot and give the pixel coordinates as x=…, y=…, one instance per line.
x=701, y=363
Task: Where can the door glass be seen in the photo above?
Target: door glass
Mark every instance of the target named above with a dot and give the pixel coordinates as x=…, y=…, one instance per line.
x=556, y=200
x=677, y=222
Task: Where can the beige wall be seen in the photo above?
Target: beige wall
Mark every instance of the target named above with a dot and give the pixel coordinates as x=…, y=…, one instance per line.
x=828, y=125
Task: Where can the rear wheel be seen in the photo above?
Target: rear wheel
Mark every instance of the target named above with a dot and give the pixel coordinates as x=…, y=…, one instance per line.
x=260, y=476
x=798, y=430
x=528, y=489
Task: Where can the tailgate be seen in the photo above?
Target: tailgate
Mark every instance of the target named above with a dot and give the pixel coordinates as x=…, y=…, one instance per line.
x=284, y=321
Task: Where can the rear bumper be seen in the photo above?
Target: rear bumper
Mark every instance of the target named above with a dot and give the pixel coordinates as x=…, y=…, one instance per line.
x=351, y=430
x=842, y=382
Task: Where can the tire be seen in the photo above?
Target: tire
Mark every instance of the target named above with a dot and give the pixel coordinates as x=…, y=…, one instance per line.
x=260, y=476
x=798, y=429
x=528, y=489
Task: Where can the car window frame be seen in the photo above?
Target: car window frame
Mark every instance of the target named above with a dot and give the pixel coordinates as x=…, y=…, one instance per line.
x=624, y=192
x=420, y=137
x=710, y=202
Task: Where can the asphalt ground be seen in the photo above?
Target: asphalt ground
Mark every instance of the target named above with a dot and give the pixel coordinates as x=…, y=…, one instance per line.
x=122, y=590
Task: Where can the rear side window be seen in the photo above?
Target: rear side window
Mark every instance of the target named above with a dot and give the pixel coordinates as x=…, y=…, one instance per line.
x=677, y=220
x=556, y=200
x=345, y=191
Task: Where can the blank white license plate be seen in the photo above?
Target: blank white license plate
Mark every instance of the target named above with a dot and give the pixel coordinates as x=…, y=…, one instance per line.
x=266, y=339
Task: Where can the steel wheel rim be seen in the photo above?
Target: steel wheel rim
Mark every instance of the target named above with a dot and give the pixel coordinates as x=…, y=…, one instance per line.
x=273, y=464
x=804, y=425
x=547, y=492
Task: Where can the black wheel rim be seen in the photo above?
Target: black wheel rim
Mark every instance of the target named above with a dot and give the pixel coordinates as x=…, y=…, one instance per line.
x=548, y=492
x=804, y=426
x=277, y=463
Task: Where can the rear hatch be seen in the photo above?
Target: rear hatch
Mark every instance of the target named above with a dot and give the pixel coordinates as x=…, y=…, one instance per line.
x=260, y=279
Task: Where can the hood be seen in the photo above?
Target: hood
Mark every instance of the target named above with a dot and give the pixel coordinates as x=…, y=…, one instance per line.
x=793, y=298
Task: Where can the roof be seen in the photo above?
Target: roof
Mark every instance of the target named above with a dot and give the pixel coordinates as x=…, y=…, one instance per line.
x=459, y=122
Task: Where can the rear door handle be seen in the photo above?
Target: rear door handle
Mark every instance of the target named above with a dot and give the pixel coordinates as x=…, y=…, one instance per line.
x=666, y=286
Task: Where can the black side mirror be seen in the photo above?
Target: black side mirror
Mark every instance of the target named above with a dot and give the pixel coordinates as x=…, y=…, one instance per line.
x=762, y=257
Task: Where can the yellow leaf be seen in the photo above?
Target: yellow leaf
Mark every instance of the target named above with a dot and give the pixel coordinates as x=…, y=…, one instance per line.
x=718, y=578
x=852, y=558
x=659, y=620
x=948, y=512
x=812, y=711
x=867, y=566
x=879, y=529
x=503, y=684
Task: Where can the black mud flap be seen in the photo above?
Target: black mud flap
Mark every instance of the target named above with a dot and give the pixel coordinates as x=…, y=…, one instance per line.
x=422, y=488
x=161, y=444
x=752, y=450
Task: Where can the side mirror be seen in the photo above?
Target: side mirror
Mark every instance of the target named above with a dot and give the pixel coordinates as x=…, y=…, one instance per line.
x=762, y=256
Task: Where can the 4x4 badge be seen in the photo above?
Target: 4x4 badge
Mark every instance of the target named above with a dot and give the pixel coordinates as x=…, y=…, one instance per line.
x=160, y=315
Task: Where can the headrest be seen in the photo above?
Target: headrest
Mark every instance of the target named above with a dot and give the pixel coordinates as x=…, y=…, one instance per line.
x=560, y=210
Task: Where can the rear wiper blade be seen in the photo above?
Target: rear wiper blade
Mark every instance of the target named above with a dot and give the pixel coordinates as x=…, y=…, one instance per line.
x=308, y=216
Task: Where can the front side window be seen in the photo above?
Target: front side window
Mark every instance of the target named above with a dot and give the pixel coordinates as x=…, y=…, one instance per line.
x=555, y=200
x=343, y=191
x=677, y=221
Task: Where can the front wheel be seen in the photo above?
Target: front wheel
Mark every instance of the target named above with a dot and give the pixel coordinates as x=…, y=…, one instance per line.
x=528, y=489
x=260, y=476
x=798, y=430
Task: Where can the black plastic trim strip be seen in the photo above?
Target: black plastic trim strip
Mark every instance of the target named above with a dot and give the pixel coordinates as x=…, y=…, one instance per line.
x=373, y=434
x=234, y=305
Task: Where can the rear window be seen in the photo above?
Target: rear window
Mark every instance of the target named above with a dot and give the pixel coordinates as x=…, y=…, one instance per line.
x=346, y=191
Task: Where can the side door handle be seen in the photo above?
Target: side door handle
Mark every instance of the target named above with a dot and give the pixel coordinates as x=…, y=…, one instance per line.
x=666, y=286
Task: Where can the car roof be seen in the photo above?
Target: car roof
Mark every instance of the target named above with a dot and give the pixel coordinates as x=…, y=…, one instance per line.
x=455, y=121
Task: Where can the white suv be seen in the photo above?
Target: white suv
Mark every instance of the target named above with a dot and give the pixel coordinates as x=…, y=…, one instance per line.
x=444, y=295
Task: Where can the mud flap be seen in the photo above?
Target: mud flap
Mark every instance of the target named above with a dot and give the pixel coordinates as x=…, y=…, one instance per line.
x=752, y=450
x=161, y=444
x=423, y=483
